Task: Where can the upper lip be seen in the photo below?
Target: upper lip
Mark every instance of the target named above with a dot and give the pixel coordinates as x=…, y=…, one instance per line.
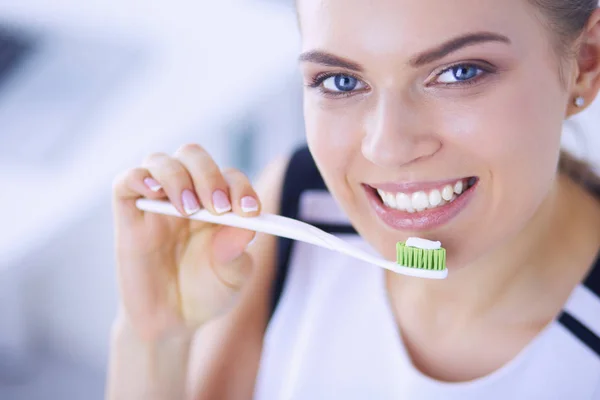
x=412, y=187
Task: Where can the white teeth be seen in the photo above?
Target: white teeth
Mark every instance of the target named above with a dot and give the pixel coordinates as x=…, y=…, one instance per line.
x=391, y=199
x=403, y=202
x=420, y=201
x=458, y=187
x=435, y=198
x=385, y=197
x=447, y=193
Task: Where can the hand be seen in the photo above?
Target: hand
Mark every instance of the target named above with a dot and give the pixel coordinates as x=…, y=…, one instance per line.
x=175, y=274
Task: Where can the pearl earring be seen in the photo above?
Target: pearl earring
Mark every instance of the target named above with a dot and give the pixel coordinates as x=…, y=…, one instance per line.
x=579, y=101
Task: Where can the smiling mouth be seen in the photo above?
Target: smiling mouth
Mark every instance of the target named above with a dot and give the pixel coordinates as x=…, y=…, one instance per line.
x=418, y=201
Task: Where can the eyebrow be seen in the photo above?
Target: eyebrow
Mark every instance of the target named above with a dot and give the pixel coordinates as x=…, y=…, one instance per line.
x=455, y=44
x=427, y=57
x=330, y=60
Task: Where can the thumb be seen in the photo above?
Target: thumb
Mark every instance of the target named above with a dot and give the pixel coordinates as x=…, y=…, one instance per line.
x=232, y=265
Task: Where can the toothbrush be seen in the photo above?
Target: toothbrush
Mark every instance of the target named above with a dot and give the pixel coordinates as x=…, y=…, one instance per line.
x=277, y=225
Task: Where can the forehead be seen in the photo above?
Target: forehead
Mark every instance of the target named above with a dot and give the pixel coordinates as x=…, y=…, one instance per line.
x=392, y=26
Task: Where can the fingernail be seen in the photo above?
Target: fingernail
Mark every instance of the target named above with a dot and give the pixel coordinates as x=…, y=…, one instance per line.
x=221, y=202
x=250, y=243
x=152, y=184
x=249, y=204
x=190, y=203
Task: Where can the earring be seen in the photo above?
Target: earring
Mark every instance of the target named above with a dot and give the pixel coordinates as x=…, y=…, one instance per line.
x=579, y=101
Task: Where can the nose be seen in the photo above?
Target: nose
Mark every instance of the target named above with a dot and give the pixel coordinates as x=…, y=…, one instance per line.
x=398, y=134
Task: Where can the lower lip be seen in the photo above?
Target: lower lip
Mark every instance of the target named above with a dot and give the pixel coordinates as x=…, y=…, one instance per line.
x=419, y=221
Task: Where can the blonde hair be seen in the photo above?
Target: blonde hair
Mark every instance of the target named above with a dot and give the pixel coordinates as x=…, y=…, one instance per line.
x=566, y=20
x=579, y=171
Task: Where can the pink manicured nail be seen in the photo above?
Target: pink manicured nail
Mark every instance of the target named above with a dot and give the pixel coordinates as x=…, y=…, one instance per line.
x=190, y=203
x=249, y=204
x=221, y=202
x=152, y=184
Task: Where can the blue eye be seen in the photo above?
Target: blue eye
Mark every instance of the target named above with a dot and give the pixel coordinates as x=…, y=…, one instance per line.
x=460, y=73
x=342, y=83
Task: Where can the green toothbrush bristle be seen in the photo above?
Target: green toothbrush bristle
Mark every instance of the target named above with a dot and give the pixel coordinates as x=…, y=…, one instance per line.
x=414, y=257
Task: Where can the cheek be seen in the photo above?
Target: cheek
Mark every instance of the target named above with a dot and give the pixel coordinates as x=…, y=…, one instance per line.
x=333, y=133
x=334, y=136
x=512, y=139
x=514, y=132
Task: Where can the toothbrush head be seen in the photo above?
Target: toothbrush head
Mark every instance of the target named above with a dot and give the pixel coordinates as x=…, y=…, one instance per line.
x=421, y=254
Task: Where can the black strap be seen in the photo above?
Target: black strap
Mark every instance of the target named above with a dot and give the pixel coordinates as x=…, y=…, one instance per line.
x=582, y=332
x=578, y=329
x=301, y=175
x=14, y=49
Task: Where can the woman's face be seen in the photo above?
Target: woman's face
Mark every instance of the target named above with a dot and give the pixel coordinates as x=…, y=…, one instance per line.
x=452, y=109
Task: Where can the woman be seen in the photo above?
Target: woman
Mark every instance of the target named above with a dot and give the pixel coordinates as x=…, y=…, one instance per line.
x=437, y=119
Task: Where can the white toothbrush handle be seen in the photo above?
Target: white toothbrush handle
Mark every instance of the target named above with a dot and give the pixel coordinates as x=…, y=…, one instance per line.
x=266, y=223
x=288, y=228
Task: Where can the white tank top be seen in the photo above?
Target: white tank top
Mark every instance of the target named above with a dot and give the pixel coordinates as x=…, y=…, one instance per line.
x=333, y=334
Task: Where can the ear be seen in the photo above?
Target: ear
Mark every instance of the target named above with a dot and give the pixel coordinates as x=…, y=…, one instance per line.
x=587, y=80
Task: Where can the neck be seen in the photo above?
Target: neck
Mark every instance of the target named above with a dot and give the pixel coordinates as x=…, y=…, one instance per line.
x=528, y=269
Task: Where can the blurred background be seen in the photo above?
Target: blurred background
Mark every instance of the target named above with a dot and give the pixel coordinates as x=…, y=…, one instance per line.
x=87, y=90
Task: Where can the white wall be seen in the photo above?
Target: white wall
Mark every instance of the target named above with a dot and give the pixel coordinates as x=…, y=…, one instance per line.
x=57, y=282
